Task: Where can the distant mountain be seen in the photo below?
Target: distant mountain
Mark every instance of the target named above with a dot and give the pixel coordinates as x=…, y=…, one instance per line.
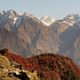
x=68, y=31
x=47, y=20
x=26, y=34
x=71, y=42
x=61, y=26
x=41, y=67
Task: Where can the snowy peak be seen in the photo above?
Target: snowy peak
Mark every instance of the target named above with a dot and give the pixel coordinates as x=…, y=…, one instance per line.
x=62, y=25
x=8, y=15
x=71, y=19
x=31, y=16
x=14, y=16
x=47, y=20
x=11, y=13
x=44, y=17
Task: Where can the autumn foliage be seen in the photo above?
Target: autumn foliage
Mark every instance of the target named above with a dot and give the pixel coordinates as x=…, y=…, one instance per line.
x=48, y=66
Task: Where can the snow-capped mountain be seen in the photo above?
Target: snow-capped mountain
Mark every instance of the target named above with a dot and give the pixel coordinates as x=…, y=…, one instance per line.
x=61, y=26
x=47, y=20
x=71, y=19
x=71, y=42
x=27, y=35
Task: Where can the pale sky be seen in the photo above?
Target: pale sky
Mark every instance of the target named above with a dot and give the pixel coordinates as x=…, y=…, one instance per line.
x=52, y=8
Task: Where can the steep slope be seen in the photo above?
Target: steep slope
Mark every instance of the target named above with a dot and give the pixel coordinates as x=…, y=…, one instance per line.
x=68, y=30
x=26, y=35
x=61, y=26
x=71, y=41
x=48, y=66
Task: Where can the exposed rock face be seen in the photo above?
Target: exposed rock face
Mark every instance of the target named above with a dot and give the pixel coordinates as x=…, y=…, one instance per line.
x=26, y=34
x=61, y=26
x=68, y=30
x=71, y=41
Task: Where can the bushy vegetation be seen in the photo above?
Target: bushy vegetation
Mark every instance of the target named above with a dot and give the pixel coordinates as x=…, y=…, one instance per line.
x=48, y=66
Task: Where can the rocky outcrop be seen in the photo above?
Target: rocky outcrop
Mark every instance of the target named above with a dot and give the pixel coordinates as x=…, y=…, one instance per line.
x=9, y=71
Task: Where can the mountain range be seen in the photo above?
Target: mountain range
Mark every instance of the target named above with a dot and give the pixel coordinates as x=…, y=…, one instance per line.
x=27, y=35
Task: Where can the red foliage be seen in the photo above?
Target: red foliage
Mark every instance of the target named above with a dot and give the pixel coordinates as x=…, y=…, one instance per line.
x=46, y=64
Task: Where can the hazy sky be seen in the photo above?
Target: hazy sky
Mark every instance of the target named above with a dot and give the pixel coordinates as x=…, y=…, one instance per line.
x=53, y=8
